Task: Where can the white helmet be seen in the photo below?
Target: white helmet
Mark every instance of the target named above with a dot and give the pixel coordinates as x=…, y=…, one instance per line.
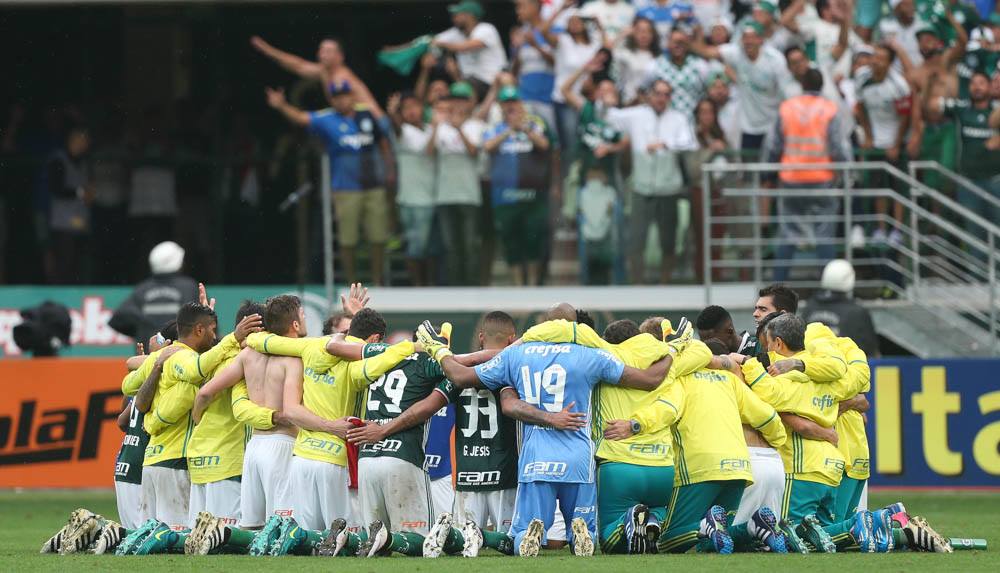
x=838, y=275
x=167, y=257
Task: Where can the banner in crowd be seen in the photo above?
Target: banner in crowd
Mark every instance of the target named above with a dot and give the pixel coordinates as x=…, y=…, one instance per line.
x=932, y=424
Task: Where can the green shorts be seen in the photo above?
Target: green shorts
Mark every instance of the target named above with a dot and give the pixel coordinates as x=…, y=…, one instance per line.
x=522, y=229
x=621, y=486
x=848, y=496
x=689, y=504
x=805, y=497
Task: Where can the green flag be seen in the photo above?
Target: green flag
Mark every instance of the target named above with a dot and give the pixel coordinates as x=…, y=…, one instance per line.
x=404, y=58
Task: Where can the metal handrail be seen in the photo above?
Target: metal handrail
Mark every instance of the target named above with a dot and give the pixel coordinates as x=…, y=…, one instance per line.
x=931, y=257
x=958, y=178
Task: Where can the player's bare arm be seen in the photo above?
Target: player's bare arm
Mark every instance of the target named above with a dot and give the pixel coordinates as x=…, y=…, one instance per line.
x=513, y=406
x=648, y=379
x=339, y=346
x=808, y=429
x=298, y=414
x=858, y=403
x=144, y=397
x=123, y=417
x=416, y=414
x=227, y=378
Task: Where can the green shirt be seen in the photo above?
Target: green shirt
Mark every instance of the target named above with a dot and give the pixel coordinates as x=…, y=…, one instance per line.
x=409, y=382
x=975, y=161
x=594, y=131
x=128, y=466
x=485, y=440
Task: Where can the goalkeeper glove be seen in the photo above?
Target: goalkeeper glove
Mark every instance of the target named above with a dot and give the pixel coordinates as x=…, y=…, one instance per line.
x=437, y=344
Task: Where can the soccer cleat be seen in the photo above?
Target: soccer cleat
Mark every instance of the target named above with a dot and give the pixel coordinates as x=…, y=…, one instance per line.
x=55, y=542
x=652, y=535
x=379, y=541
x=583, y=543
x=438, y=535
x=793, y=542
x=635, y=529
x=764, y=526
x=713, y=528
x=134, y=539
x=158, y=541
x=922, y=537
x=335, y=539
x=811, y=530
x=862, y=530
x=473, y=539
x=202, y=522
x=110, y=536
x=262, y=541
x=531, y=542
x=81, y=530
x=882, y=530
x=216, y=535
x=289, y=537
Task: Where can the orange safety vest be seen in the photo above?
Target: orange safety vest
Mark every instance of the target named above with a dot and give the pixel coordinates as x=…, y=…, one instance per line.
x=804, y=123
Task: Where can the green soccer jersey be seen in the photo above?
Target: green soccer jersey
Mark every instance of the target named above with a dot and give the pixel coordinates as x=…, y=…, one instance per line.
x=485, y=440
x=409, y=382
x=595, y=131
x=975, y=161
x=128, y=465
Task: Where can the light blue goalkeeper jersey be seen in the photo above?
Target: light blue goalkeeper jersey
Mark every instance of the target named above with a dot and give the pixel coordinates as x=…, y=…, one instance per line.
x=550, y=377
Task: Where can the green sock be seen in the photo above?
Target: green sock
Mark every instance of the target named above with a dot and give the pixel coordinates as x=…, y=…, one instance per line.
x=742, y=539
x=840, y=534
x=240, y=538
x=310, y=542
x=899, y=538
x=499, y=541
x=407, y=543
x=454, y=543
x=353, y=543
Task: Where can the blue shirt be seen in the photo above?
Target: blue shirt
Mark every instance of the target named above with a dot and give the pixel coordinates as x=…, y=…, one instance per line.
x=351, y=144
x=519, y=173
x=550, y=377
x=437, y=451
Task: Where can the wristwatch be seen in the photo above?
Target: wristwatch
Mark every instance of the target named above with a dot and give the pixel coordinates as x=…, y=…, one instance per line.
x=636, y=426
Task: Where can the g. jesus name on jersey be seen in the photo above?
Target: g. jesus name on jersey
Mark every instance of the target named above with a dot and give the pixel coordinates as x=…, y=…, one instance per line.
x=485, y=440
x=412, y=380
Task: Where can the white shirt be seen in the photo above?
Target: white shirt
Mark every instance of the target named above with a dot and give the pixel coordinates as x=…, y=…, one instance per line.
x=416, y=167
x=613, y=17
x=657, y=173
x=570, y=57
x=880, y=100
x=457, y=170
x=825, y=35
x=631, y=70
x=729, y=121
x=907, y=35
x=485, y=63
x=762, y=85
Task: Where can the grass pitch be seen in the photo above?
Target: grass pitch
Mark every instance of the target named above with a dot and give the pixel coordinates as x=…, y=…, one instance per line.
x=27, y=519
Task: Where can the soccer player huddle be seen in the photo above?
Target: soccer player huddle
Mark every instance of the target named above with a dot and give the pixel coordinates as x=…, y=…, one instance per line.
x=643, y=440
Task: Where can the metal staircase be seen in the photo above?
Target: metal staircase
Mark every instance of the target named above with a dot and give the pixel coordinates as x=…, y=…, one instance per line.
x=941, y=274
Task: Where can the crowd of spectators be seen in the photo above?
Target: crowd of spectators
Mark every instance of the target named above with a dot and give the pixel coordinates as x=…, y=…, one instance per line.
x=596, y=117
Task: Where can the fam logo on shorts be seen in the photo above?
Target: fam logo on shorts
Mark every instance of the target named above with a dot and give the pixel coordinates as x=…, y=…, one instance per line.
x=551, y=469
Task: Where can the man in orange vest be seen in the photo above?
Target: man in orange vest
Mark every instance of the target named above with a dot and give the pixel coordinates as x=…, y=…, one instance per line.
x=808, y=131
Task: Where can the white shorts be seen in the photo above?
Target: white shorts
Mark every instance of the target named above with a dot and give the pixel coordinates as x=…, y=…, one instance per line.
x=768, y=487
x=165, y=495
x=442, y=495
x=129, y=498
x=396, y=492
x=264, y=491
x=319, y=493
x=220, y=498
x=486, y=508
x=863, y=502
x=558, y=530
